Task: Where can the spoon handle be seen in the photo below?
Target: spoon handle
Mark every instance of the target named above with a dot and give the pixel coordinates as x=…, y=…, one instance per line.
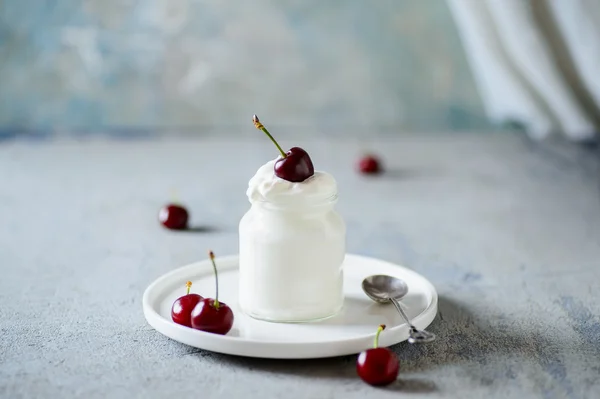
x=401, y=311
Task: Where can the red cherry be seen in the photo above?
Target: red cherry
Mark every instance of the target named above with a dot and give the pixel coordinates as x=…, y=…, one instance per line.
x=378, y=366
x=181, y=311
x=210, y=315
x=294, y=165
x=369, y=165
x=173, y=217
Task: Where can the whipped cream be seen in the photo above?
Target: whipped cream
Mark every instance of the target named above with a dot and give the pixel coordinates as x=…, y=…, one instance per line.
x=266, y=186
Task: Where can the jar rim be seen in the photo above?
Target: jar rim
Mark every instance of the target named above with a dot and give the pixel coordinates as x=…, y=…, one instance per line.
x=313, y=202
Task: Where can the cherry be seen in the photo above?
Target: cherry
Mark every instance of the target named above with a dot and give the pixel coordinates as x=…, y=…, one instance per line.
x=212, y=316
x=174, y=217
x=209, y=314
x=294, y=165
x=181, y=311
x=369, y=164
x=377, y=366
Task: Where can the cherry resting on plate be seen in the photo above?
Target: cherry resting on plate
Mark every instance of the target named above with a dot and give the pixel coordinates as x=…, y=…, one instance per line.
x=210, y=315
x=294, y=165
x=377, y=366
x=181, y=311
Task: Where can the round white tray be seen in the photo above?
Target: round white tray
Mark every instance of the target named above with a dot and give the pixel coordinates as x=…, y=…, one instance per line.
x=348, y=333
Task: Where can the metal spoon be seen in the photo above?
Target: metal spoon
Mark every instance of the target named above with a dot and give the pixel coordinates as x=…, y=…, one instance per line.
x=386, y=289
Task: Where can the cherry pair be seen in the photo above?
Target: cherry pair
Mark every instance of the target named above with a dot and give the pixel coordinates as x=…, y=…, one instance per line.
x=205, y=314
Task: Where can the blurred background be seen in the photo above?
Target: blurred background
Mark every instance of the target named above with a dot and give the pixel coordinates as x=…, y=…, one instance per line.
x=187, y=64
x=345, y=66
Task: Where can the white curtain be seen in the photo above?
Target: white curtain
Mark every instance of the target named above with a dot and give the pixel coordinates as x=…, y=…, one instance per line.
x=535, y=62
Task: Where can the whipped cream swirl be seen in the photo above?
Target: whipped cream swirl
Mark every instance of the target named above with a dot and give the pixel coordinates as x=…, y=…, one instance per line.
x=266, y=186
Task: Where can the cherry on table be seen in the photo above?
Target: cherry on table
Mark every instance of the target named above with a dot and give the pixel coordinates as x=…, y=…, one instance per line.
x=294, y=165
x=211, y=315
x=181, y=311
x=173, y=216
x=378, y=366
x=369, y=164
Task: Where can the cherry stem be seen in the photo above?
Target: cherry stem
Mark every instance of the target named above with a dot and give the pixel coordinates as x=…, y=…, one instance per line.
x=188, y=285
x=379, y=330
x=212, y=259
x=260, y=126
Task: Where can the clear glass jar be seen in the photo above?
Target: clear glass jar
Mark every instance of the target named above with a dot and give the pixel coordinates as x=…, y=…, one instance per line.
x=291, y=260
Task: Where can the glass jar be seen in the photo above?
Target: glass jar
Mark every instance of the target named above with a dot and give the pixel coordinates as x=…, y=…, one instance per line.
x=291, y=260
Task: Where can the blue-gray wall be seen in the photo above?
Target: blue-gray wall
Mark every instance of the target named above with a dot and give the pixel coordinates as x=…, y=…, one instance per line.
x=73, y=64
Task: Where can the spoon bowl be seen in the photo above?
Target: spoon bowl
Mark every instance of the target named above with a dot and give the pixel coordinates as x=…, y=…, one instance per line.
x=382, y=288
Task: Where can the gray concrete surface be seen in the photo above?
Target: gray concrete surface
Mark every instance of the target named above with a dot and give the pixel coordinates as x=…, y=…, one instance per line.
x=509, y=233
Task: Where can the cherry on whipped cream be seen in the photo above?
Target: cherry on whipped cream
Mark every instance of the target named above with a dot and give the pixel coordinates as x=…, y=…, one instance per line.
x=294, y=165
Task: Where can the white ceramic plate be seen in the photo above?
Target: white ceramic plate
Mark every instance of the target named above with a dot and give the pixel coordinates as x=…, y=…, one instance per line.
x=349, y=332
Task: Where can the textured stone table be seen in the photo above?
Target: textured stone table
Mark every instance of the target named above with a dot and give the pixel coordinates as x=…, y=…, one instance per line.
x=509, y=233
